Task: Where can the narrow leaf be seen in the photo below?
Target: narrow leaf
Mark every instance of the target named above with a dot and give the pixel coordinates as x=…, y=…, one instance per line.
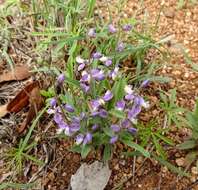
x=136, y=147
x=85, y=151
x=170, y=166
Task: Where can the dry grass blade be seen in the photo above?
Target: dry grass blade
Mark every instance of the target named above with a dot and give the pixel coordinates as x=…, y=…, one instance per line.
x=3, y=110
x=19, y=73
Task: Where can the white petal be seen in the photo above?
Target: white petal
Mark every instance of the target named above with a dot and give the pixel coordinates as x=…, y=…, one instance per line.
x=79, y=59
x=146, y=105
x=67, y=132
x=134, y=121
x=101, y=101
x=50, y=111
x=128, y=89
x=59, y=130
x=103, y=59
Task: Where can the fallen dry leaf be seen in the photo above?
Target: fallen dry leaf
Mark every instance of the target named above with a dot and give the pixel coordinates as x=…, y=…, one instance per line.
x=3, y=110
x=2, y=2
x=36, y=103
x=29, y=95
x=19, y=73
x=21, y=100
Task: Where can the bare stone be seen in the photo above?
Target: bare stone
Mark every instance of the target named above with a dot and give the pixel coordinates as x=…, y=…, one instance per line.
x=89, y=177
x=180, y=161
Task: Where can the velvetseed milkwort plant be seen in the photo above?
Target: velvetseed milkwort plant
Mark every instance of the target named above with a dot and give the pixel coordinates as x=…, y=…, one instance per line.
x=101, y=108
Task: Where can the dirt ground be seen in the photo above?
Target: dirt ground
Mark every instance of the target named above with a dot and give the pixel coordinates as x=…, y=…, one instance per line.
x=182, y=26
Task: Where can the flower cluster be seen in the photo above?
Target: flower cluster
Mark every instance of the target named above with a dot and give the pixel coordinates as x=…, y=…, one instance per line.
x=72, y=124
x=112, y=30
x=98, y=107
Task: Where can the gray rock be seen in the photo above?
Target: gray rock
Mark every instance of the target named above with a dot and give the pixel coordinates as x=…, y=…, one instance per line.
x=91, y=177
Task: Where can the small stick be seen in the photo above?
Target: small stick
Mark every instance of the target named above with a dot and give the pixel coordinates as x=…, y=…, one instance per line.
x=133, y=169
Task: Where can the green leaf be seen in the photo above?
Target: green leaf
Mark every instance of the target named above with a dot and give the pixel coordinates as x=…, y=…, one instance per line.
x=72, y=82
x=196, y=109
x=38, y=162
x=85, y=150
x=47, y=94
x=136, y=147
x=118, y=114
x=195, y=67
x=76, y=148
x=172, y=97
x=118, y=89
x=191, y=157
x=107, y=152
x=165, y=139
x=189, y=144
x=17, y=185
x=160, y=79
x=67, y=98
x=131, y=153
x=170, y=166
x=193, y=120
x=159, y=148
x=108, y=131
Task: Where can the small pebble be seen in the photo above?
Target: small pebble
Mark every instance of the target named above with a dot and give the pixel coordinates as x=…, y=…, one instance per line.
x=194, y=170
x=116, y=167
x=180, y=161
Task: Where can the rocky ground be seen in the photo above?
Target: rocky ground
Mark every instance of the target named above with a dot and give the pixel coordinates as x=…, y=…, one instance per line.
x=181, y=24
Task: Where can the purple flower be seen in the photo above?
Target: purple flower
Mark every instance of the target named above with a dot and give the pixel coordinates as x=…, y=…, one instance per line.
x=61, y=78
x=69, y=108
x=81, y=66
x=94, y=113
x=97, y=55
x=97, y=74
x=132, y=113
x=126, y=123
x=127, y=27
x=94, y=127
x=58, y=118
x=79, y=139
x=112, y=29
x=108, y=96
x=103, y=113
x=113, y=139
x=95, y=104
x=82, y=115
x=115, y=128
x=141, y=102
x=85, y=77
x=120, y=105
x=76, y=119
x=74, y=127
x=88, y=138
x=108, y=62
x=129, y=97
x=92, y=32
x=132, y=130
x=50, y=111
x=84, y=87
x=53, y=102
x=144, y=83
x=120, y=47
x=62, y=127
